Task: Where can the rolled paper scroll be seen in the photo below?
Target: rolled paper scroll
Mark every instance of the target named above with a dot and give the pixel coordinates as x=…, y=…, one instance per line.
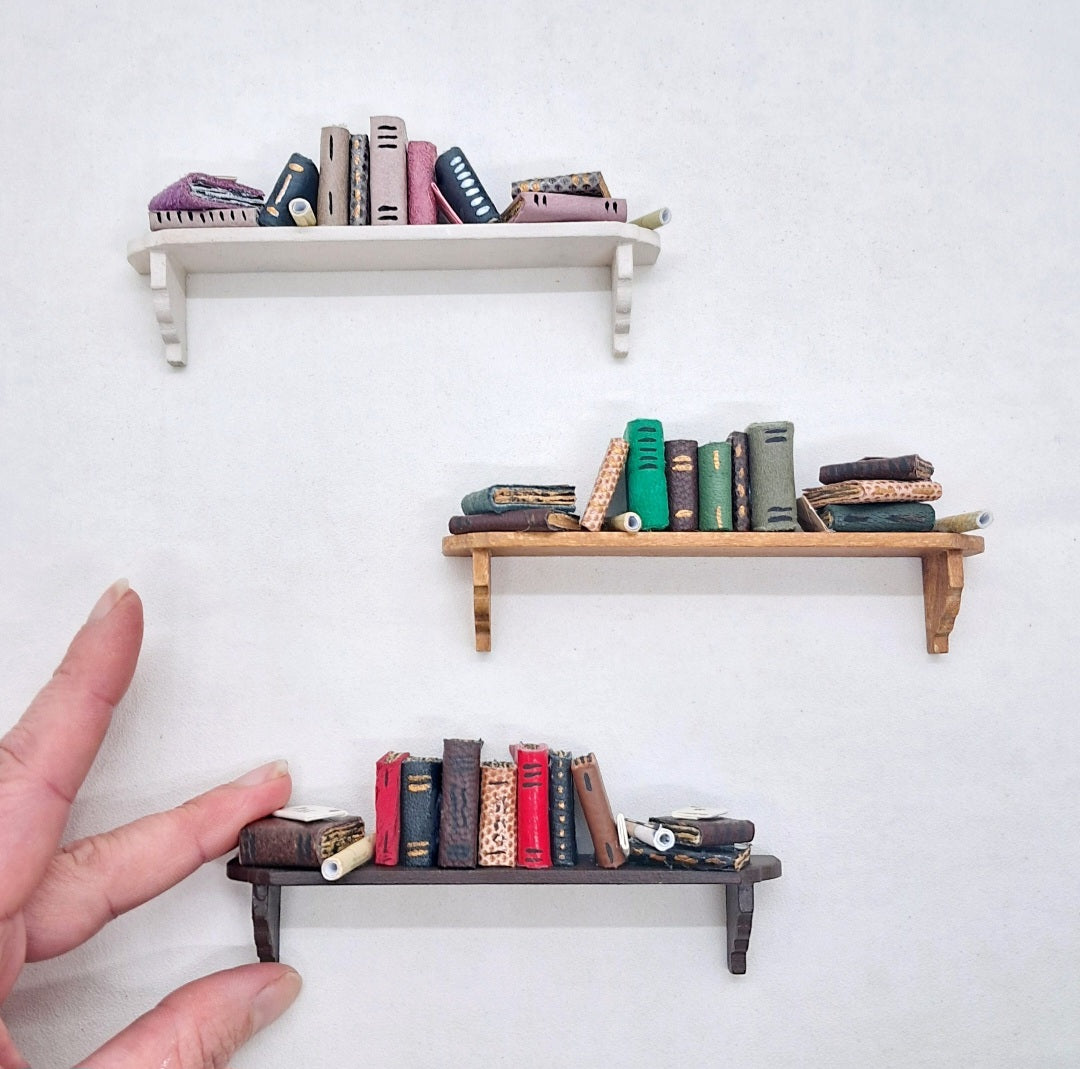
x=630, y=522
x=966, y=521
x=352, y=857
x=656, y=837
x=654, y=220
x=301, y=212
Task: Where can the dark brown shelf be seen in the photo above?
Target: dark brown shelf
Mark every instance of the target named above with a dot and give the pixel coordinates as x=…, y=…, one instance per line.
x=266, y=884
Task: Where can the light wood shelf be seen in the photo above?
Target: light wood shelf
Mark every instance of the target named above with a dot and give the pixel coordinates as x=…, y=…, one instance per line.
x=170, y=256
x=942, y=558
x=266, y=884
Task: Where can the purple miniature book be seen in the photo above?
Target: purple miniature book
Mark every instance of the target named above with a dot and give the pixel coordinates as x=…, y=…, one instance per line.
x=198, y=200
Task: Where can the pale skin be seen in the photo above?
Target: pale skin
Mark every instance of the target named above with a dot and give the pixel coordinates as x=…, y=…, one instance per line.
x=53, y=897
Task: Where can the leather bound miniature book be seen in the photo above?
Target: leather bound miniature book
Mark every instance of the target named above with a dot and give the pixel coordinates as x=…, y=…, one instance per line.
x=597, y=809
x=527, y=519
x=421, y=793
x=582, y=184
x=457, y=181
x=563, y=208
x=869, y=491
x=275, y=842
x=740, y=480
x=205, y=200
x=359, y=181
x=895, y=516
x=724, y=859
x=607, y=479
x=504, y=497
x=710, y=832
x=561, y=809
x=388, y=807
x=680, y=459
x=646, y=482
x=333, y=207
x=388, y=168
x=772, y=476
x=420, y=175
x=714, y=487
x=906, y=468
x=459, y=821
x=299, y=178
x=498, y=814
x=534, y=830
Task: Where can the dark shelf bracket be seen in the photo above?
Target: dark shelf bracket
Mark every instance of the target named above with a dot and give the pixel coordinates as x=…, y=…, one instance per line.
x=266, y=918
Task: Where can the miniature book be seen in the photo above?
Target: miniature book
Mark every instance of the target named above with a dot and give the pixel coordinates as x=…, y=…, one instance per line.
x=503, y=497
x=908, y=468
x=534, y=829
x=732, y=858
x=445, y=212
x=868, y=491
x=277, y=842
x=526, y=519
x=809, y=520
x=681, y=464
x=388, y=170
x=388, y=807
x=607, y=479
x=359, y=181
x=582, y=184
x=498, y=814
x=646, y=483
x=459, y=819
x=710, y=832
x=714, y=487
x=204, y=200
x=333, y=206
x=561, y=809
x=421, y=791
x=597, y=809
x=772, y=476
x=298, y=179
x=456, y=179
x=892, y=516
x=420, y=176
x=740, y=480
x=563, y=208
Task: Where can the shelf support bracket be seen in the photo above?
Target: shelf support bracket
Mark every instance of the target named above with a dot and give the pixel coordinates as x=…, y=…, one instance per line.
x=168, y=288
x=943, y=583
x=481, y=579
x=266, y=918
x=622, y=278
x=740, y=916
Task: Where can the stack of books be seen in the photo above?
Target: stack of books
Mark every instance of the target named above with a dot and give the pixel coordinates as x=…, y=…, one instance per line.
x=875, y=494
x=517, y=507
x=703, y=840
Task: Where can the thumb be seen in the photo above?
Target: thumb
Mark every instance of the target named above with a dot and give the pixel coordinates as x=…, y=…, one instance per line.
x=202, y=1024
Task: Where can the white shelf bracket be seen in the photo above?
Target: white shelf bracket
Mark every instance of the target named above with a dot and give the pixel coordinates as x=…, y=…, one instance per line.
x=168, y=287
x=622, y=279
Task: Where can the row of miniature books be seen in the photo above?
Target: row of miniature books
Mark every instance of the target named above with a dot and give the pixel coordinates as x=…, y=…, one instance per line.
x=382, y=178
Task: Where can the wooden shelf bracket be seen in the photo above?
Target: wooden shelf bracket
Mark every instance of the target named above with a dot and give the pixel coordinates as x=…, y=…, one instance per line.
x=943, y=583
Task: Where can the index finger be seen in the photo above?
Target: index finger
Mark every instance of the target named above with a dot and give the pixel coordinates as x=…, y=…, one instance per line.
x=44, y=758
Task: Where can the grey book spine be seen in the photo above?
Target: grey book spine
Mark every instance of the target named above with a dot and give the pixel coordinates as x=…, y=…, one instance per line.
x=333, y=205
x=389, y=182
x=772, y=476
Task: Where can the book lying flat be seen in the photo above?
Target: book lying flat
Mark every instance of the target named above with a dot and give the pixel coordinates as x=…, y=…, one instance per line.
x=563, y=208
x=276, y=842
x=731, y=859
x=502, y=497
x=892, y=516
x=866, y=491
x=909, y=467
x=531, y=519
x=582, y=184
x=710, y=832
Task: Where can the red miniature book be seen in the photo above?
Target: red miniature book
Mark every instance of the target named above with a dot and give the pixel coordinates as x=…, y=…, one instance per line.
x=388, y=807
x=534, y=826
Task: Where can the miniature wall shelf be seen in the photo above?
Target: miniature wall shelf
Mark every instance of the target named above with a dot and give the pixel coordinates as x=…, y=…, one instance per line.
x=169, y=256
x=266, y=884
x=942, y=559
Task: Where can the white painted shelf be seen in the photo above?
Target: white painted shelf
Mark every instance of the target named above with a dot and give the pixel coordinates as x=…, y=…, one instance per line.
x=169, y=256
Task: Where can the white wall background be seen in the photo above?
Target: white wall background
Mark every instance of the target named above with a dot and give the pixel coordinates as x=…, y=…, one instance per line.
x=875, y=236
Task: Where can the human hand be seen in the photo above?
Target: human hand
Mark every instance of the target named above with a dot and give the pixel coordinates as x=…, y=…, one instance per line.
x=52, y=899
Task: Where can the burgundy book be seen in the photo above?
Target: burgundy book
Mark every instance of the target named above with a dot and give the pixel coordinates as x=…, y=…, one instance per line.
x=714, y=831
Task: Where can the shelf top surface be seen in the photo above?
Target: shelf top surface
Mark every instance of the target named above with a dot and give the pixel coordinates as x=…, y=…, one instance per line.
x=709, y=544
x=227, y=250
x=760, y=867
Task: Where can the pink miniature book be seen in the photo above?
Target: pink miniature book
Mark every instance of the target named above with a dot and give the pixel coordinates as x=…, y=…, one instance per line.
x=564, y=208
x=420, y=169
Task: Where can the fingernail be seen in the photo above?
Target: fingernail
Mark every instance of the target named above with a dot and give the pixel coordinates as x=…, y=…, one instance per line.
x=108, y=600
x=262, y=774
x=274, y=999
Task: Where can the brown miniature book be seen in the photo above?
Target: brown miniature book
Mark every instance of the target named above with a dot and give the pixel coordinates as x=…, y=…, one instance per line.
x=908, y=468
x=275, y=842
x=869, y=491
x=498, y=814
x=681, y=465
x=459, y=818
x=711, y=832
x=538, y=519
x=597, y=810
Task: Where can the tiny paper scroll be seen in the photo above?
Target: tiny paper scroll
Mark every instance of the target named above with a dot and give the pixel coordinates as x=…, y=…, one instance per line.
x=630, y=522
x=301, y=212
x=352, y=857
x=658, y=838
x=654, y=220
x=967, y=521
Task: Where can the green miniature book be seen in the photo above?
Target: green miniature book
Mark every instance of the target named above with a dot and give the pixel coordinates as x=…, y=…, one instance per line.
x=646, y=483
x=714, y=487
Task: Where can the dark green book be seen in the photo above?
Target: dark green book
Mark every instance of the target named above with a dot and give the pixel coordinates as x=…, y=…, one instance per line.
x=714, y=487
x=894, y=516
x=646, y=483
x=723, y=858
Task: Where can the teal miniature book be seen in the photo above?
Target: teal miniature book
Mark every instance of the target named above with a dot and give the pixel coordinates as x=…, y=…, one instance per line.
x=646, y=483
x=891, y=516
